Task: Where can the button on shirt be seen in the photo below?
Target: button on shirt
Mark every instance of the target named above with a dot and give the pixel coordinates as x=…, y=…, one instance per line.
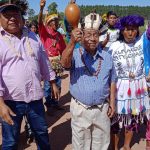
x=21, y=75
x=87, y=89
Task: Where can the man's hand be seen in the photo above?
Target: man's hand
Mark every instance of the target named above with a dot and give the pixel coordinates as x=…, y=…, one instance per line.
x=6, y=113
x=55, y=91
x=111, y=110
x=76, y=35
x=42, y=4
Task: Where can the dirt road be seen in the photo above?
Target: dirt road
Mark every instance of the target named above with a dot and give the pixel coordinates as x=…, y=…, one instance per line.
x=60, y=131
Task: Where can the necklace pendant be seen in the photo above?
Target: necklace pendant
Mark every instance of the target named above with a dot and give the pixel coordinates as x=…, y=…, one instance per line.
x=54, y=43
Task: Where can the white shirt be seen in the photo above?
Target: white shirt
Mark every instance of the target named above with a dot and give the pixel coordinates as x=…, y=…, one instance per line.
x=113, y=36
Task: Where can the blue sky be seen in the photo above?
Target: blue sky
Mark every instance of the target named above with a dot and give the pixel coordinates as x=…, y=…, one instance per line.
x=34, y=4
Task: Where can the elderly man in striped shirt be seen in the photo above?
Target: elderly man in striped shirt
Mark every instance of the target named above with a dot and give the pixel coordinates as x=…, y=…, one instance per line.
x=92, y=86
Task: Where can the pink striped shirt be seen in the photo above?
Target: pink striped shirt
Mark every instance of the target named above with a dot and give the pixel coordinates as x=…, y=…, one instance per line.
x=23, y=65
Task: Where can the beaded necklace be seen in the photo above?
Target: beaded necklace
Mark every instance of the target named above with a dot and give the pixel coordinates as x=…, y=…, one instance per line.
x=54, y=40
x=132, y=75
x=12, y=46
x=130, y=66
x=98, y=68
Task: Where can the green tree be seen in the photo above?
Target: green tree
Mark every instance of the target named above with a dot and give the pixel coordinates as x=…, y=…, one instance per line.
x=52, y=8
x=31, y=13
x=61, y=15
x=35, y=18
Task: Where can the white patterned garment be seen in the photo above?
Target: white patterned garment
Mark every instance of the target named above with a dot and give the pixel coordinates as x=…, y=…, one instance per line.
x=132, y=95
x=113, y=36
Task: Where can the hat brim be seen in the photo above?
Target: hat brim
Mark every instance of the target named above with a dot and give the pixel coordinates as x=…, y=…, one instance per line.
x=9, y=6
x=51, y=19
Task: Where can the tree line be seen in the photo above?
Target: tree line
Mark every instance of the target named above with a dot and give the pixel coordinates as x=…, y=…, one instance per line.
x=120, y=10
x=101, y=9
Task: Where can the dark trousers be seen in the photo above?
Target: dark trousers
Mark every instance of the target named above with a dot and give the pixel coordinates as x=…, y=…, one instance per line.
x=35, y=114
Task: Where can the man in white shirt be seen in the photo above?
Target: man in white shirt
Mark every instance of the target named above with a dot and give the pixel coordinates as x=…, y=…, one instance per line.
x=111, y=34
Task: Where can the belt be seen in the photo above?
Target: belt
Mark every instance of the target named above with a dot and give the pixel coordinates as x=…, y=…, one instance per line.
x=100, y=106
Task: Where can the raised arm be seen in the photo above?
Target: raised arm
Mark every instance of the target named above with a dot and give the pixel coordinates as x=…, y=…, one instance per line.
x=113, y=78
x=67, y=54
x=104, y=43
x=42, y=5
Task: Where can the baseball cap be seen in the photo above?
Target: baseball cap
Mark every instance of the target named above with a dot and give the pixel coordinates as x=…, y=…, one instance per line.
x=51, y=17
x=8, y=6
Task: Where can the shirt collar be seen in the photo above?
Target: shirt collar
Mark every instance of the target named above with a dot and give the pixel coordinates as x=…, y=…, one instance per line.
x=97, y=55
x=3, y=32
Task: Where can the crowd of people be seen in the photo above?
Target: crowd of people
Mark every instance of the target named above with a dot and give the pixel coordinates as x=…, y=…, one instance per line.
x=109, y=67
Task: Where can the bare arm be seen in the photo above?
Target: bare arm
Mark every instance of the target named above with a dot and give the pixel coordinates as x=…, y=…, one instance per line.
x=55, y=90
x=42, y=5
x=6, y=112
x=67, y=54
x=104, y=43
x=112, y=93
x=111, y=109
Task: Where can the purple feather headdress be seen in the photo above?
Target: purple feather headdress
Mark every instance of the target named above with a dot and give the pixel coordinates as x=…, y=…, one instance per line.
x=131, y=20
